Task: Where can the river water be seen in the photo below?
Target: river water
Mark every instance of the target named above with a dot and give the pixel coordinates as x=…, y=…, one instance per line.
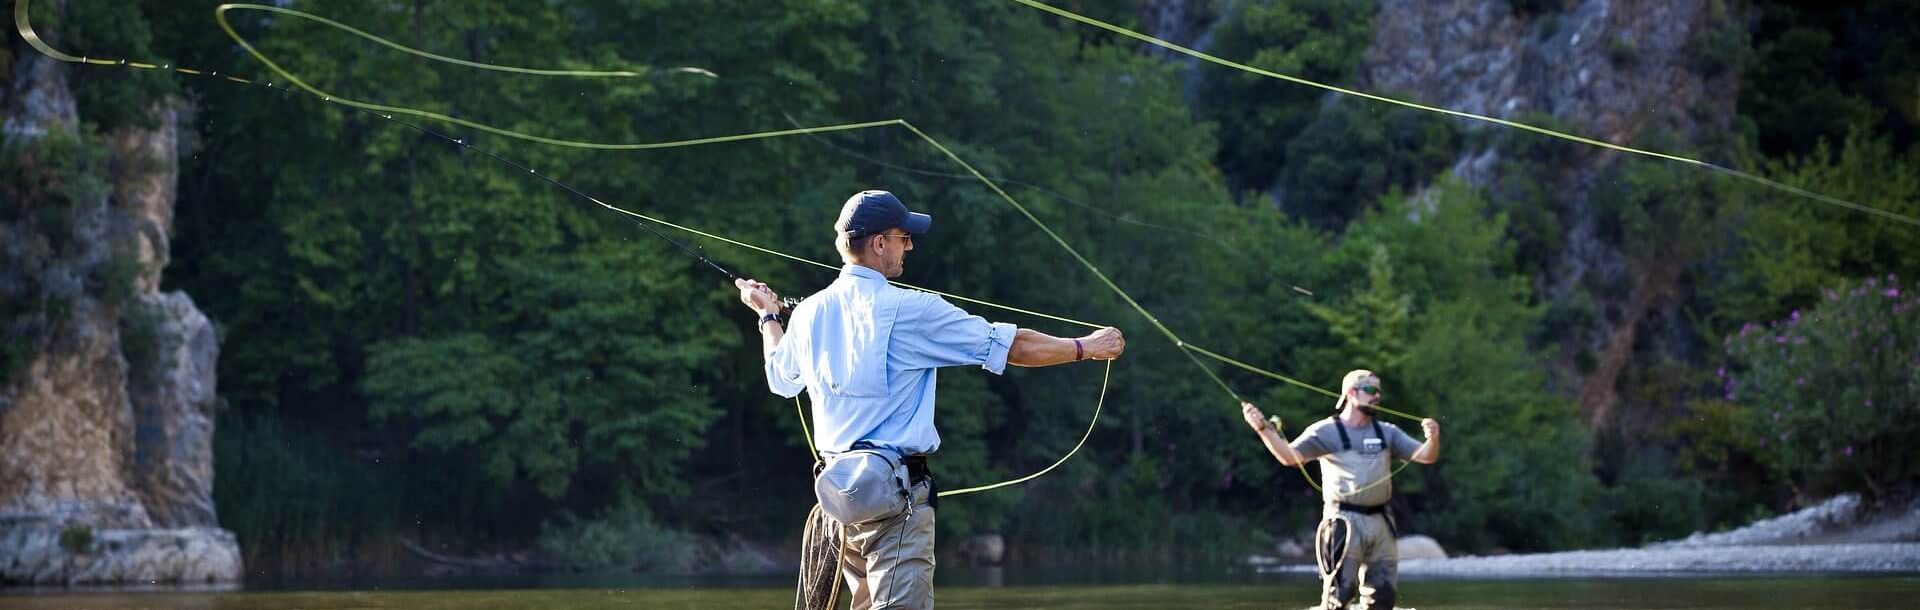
x=964, y=590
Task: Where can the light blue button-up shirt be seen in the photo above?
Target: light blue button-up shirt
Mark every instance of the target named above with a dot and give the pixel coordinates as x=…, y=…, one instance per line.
x=868, y=353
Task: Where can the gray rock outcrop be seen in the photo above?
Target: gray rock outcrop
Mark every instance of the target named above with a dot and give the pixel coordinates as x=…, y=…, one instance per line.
x=1613, y=70
x=106, y=462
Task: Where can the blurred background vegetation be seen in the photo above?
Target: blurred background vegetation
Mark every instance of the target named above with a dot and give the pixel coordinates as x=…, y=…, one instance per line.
x=422, y=344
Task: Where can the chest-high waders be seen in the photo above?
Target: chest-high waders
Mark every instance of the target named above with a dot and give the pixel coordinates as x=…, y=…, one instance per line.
x=1369, y=538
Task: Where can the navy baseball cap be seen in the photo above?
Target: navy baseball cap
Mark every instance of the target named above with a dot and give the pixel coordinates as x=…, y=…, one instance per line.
x=870, y=212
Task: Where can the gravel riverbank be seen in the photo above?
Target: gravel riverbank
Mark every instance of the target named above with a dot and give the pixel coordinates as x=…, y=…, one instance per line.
x=1884, y=557
x=1837, y=536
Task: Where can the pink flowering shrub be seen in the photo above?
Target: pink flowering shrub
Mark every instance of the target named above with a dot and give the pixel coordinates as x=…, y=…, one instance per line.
x=1830, y=393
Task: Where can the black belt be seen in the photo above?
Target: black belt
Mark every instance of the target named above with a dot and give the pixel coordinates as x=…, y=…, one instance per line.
x=917, y=472
x=1364, y=510
x=916, y=468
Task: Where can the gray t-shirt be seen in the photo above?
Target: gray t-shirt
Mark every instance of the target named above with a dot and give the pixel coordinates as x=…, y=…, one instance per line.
x=1350, y=475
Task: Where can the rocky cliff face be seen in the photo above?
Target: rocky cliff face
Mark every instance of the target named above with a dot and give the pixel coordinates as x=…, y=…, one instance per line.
x=1614, y=70
x=1182, y=22
x=1609, y=69
x=105, y=422
x=171, y=392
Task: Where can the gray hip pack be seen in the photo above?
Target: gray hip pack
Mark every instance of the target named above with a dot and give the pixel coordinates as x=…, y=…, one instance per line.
x=862, y=485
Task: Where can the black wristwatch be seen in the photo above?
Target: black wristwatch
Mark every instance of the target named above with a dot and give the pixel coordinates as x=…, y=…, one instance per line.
x=765, y=318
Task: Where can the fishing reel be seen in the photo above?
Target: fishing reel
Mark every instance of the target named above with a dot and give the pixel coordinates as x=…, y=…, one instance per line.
x=786, y=308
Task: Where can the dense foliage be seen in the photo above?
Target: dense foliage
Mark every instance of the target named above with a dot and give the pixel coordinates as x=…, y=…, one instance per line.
x=1832, y=391
x=420, y=343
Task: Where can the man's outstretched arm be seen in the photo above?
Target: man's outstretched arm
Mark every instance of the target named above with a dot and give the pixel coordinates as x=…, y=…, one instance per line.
x=1033, y=348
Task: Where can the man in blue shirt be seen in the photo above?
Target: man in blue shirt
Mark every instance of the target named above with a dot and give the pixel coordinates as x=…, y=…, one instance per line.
x=867, y=353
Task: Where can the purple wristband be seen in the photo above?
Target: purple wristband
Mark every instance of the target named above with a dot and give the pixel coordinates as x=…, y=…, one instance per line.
x=1079, y=353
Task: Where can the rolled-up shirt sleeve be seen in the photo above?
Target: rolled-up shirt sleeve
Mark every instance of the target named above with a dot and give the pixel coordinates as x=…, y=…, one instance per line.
x=783, y=377
x=931, y=333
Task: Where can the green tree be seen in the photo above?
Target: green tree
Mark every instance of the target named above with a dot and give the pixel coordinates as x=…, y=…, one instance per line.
x=1357, y=151
x=557, y=390
x=1830, y=393
x=1788, y=248
x=438, y=310
x=1319, y=40
x=109, y=99
x=1820, y=70
x=1372, y=327
x=1513, y=471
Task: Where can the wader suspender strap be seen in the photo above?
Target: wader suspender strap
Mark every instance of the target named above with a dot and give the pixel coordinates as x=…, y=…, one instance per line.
x=1347, y=444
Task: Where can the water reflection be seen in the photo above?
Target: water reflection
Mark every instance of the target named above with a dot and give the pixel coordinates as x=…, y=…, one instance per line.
x=1003, y=588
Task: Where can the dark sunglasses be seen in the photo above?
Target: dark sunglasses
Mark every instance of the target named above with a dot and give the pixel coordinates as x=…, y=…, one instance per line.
x=905, y=236
x=1374, y=390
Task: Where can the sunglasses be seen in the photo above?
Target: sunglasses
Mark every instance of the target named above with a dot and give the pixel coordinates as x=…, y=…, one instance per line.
x=1374, y=390
x=905, y=236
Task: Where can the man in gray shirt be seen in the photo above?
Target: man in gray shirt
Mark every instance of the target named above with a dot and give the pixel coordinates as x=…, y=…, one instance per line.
x=1356, y=538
